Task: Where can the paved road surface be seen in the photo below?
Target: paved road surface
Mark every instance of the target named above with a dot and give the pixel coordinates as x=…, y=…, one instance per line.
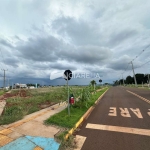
x=120, y=121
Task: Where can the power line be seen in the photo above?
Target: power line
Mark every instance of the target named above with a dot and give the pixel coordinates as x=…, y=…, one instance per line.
x=135, y=58
x=140, y=53
x=143, y=64
x=126, y=68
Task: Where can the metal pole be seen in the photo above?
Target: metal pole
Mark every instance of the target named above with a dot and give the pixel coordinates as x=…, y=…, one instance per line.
x=122, y=79
x=134, y=74
x=68, y=98
x=4, y=79
x=8, y=82
x=148, y=81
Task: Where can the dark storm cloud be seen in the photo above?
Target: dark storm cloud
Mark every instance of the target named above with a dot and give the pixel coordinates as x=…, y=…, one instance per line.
x=53, y=65
x=40, y=49
x=119, y=37
x=61, y=66
x=51, y=49
x=11, y=61
x=88, y=54
x=123, y=63
x=79, y=31
x=6, y=43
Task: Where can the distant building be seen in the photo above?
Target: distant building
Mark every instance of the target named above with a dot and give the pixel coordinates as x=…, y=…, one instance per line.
x=31, y=87
x=19, y=85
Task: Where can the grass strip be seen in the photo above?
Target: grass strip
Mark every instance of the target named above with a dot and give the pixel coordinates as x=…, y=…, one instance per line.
x=76, y=111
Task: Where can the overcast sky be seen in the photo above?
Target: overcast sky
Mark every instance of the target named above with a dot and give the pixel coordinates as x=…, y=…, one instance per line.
x=38, y=37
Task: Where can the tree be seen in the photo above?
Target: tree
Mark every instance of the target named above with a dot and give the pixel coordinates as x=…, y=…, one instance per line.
x=121, y=81
x=139, y=78
x=146, y=78
x=116, y=82
x=129, y=80
x=93, y=82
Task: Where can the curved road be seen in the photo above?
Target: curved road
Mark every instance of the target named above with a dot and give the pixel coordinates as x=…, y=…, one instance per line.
x=120, y=121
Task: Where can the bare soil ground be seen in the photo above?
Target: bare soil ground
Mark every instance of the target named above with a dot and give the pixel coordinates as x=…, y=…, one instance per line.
x=20, y=93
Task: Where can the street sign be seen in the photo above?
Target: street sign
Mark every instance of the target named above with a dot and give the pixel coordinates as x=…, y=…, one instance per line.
x=100, y=80
x=67, y=74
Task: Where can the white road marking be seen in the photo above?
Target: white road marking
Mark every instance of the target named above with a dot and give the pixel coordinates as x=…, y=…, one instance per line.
x=142, y=98
x=119, y=129
x=137, y=112
x=112, y=111
x=125, y=112
x=79, y=141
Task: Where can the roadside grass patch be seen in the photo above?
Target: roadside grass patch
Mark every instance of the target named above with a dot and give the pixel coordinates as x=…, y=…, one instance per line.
x=2, y=92
x=66, y=144
x=17, y=107
x=62, y=119
x=76, y=111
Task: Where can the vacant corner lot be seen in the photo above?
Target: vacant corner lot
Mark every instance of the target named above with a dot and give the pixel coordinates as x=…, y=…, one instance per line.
x=26, y=101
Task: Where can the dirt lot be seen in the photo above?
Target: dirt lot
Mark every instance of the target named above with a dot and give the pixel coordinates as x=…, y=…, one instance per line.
x=20, y=93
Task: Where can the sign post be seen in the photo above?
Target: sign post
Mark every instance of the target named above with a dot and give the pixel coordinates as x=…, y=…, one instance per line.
x=68, y=98
x=68, y=76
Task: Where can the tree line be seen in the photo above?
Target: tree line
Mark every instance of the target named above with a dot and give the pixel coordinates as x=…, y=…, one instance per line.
x=31, y=84
x=140, y=78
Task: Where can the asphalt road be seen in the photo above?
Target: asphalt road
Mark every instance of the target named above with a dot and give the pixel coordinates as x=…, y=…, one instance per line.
x=118, y=108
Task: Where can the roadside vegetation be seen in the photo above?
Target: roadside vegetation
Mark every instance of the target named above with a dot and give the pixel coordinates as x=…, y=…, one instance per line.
x=77, y=110
x=25, y=102
x=143, y=80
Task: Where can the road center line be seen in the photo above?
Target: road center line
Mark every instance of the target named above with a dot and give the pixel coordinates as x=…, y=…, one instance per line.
x=119, y=129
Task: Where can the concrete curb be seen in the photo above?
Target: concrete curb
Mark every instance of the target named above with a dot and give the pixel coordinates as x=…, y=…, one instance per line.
x=84, y=117
x=144, y=99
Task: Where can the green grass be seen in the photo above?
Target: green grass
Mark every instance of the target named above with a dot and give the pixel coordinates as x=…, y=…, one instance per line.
x=2, y=92
x=77, y=110
x=17, y=107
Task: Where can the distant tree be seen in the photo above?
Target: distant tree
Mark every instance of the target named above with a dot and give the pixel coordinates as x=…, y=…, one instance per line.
x=31, y=84
x=93, y=82
x=106, y=83
x=146, y=78
x=116, y=82
x=121, y=81
x=129, y=80
x=139, y=78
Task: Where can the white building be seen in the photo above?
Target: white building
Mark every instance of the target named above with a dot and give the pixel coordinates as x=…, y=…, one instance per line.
x=19, y=85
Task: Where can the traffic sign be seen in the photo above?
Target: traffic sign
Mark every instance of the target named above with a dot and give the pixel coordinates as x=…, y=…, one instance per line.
x=67, y=74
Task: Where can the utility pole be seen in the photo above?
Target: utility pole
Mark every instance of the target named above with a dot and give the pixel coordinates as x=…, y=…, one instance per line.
x=4, y=78
x=148, y=81
x=8, y=82
x=122, y=79
x=134, y=74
